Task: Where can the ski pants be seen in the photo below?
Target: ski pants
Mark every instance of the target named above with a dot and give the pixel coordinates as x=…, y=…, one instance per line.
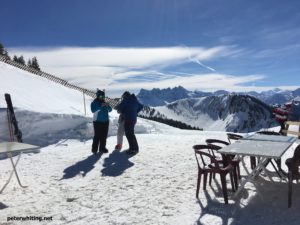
x=120, y=132
x=100, y=135
x=129, y=132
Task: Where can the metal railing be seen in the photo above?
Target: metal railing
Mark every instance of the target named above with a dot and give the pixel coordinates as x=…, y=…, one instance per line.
x=112, y=102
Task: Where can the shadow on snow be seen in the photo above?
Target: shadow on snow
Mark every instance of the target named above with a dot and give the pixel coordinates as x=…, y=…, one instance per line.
x=81, y=167
x=266, y=204
x=116, y=164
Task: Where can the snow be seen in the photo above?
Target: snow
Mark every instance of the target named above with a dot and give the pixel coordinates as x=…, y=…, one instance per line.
x=156, y=186
x=35, y=93
x=219, y=113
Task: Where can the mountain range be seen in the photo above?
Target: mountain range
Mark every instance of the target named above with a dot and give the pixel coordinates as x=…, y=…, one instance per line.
x=160, y=97
x=232, y=112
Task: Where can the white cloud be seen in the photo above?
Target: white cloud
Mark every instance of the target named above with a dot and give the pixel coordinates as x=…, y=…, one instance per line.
x=278, y=51
x=119, y=69
x=201, y=64
x=212, y=81
x=119, y=57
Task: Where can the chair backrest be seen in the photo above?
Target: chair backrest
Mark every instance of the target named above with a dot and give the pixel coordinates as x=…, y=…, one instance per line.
x=266, y=132
x=296, y=161
x=232, y=136
x=216, y=143
x=205, y=156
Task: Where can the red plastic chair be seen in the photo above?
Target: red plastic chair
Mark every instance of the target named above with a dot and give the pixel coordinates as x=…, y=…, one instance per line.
x=217, y=144
x=232, y=136
x=208, y=164
x=267, y=132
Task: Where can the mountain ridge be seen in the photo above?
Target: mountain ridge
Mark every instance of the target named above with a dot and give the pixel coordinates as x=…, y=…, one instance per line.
x=160, y=97
x=233, y=113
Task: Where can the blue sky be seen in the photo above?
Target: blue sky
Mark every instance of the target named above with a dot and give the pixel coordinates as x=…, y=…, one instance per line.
x=129, y=44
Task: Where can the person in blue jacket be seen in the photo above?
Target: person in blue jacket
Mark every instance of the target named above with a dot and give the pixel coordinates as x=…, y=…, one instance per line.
x=100, y=121
x=129, y=108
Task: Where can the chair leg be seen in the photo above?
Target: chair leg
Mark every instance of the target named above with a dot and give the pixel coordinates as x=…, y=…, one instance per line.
x=198, y=184
x=235, y=177
x=204, y=181
x=238, y=172
x=290, y=185
x=252, y=162
x=232, y=179
x=276, y=170
x=224, y=187
x=210, y=178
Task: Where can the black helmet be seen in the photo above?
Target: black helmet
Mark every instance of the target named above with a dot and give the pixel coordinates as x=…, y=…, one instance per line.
x=100, y=93
x=126, y=94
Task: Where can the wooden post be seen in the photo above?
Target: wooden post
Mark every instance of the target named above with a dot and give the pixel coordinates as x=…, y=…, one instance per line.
x=287, y=131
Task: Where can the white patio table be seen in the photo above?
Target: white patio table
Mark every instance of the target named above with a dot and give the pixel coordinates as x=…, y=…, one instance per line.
x=263, y=150
x=264, y=137
x=9, y=148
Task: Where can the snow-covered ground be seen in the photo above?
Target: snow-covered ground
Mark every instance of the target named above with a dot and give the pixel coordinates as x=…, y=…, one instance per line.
x=156, y=186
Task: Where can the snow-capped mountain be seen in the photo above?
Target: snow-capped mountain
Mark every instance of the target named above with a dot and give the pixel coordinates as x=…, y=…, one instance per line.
x=276, y=96
x=160, y=97
x=296, y=92
x=234, y=113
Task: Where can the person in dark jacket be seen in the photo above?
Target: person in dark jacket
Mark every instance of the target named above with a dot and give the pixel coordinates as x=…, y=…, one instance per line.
x=100, y=121
x=129, y=108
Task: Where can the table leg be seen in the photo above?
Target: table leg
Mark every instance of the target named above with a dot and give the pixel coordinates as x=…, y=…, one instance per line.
x=266, y=171
x=15, y=169
x=10, y=176
x=255, y=172
x=241, y=158
x=14, y=166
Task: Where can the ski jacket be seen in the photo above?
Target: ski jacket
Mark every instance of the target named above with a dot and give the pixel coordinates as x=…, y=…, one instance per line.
x=100, y=112
x=130, y=107
x=282, y=113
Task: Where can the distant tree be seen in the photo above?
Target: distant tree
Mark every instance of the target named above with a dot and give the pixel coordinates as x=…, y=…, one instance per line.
x=15, y=58
x=21, y=60
x=2, y=50
x=29, y=63
x=171, y=122
x=6, y=54
x=35, y=64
